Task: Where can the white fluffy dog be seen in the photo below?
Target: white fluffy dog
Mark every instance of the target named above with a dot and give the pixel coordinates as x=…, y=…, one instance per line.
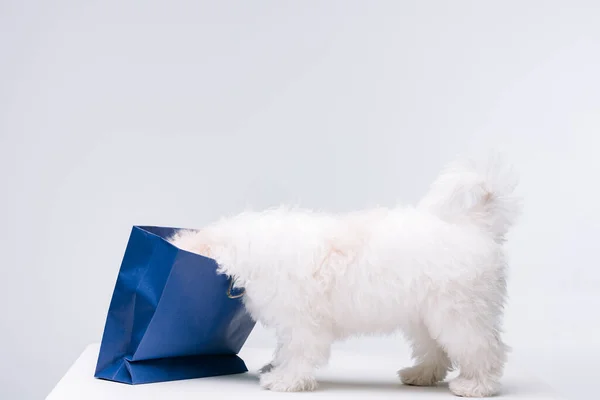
x=435, y=272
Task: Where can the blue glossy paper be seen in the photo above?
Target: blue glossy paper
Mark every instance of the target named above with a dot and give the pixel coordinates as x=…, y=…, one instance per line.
x=170, y=316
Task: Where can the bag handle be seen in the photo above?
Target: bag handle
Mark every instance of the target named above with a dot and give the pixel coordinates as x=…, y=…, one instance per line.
x=231, y=295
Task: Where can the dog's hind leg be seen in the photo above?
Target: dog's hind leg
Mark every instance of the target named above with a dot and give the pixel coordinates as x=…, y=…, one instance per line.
x=302, y=350
x=431, y=361
x=472, y=341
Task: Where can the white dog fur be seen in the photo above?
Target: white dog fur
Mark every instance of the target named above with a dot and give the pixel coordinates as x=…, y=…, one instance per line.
x=437, y=272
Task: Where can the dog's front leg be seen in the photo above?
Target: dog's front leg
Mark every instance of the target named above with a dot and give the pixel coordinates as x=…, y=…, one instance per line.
x=301, y=351
x=274, y=362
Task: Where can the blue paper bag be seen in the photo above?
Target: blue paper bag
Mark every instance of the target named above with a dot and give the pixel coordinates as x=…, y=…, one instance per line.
x=171, y=316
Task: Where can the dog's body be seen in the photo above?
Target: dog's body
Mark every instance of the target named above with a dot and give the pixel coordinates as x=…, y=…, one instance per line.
x=436, y=272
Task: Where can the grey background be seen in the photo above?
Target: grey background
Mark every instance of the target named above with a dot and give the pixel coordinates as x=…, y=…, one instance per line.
x=114, y=113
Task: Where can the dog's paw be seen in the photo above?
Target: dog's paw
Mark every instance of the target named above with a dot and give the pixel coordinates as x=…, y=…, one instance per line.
x=267, y=368
x=278, y=381
x=473, y=387
x=421, y=375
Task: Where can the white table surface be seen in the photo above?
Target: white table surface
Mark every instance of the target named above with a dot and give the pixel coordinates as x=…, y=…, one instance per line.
x=349, y=375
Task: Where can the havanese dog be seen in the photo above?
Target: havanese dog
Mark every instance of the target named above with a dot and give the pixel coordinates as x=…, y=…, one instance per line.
x=436, y=272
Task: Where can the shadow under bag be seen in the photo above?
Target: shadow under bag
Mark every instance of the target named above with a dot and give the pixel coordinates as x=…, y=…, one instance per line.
x=171, y=316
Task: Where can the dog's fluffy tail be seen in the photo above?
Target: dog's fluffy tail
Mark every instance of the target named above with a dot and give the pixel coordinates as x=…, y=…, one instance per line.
x=480, y=194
